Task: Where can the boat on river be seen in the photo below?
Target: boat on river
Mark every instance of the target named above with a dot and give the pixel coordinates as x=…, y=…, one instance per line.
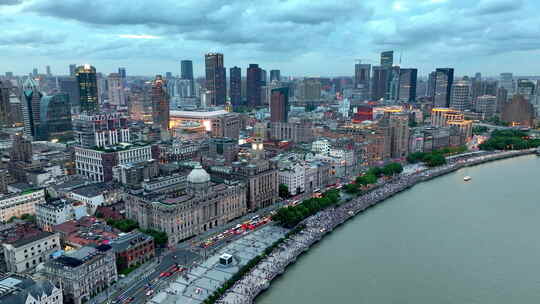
x=467, y=178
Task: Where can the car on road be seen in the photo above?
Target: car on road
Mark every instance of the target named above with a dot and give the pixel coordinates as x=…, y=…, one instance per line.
x=149, y=292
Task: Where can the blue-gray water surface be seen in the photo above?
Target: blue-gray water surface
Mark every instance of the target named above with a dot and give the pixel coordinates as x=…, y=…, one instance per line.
x=443, y=241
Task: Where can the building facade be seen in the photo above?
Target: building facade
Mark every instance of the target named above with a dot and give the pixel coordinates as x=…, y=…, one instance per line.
x=444, y=78
x=254, y=85
x=101, y=130
x=88, y=88
x=25, y=254
x=204, y=206
x=235, y=86
x=82, y=273
x=20, y=203
x=215, y=78
x=279, y=105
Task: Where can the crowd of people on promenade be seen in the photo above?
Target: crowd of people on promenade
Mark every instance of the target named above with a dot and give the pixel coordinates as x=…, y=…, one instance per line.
x=258, y=279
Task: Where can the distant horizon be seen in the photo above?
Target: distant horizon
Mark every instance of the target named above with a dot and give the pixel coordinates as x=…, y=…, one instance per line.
x=299, y=37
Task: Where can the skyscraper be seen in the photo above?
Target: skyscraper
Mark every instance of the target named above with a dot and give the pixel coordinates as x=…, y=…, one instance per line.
x=35, y=72
x=31, y=108
x=5, y=89
x=275, y=75
x=443, y=87
x=186, y=72
x=160, y=104
x=235, y=86
x=55, y=118
x=264, y=77
x=279, y=105
x=461, y=96
x=254, y=84
x=72, y=69
x=432, y=83
x=116, y=89
x=123, y=76
x=48, y=69
x=387, y=59
x=507, y=82
x=362, y=76
x=407, y=85
x=70, y=86
x=379, y=84
x=215, y=78
x=88, y=90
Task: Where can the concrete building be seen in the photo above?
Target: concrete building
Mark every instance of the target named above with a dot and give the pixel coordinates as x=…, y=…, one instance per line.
x=204, y=206
x=254, y=85
x=26, y=253
x=321, y=146
x=461, y=98
x=224, y=149
x=219, y=123
x=292, y=131
x=293, y=177
x=279, y=105
x=101, y=130
x=88, y=88
x=186, y=73
x=56, y=212
x=518, y=112
x=261, y=178
x=507, y=82
x=362, y=77
x=160, y=104
x=407, y=85
x=116, y=90
x=82, y=273
x=215, y=79
x=133, y=174
x=20, y=203
x=443, y=87
x=134, y=248
x=235, y=86
x=398, y=124
x=487, y=105
x=97, y=164
x=95, y=195
x=16, y=289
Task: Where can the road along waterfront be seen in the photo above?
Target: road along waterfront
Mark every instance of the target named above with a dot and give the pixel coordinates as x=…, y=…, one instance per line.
x=320, y=224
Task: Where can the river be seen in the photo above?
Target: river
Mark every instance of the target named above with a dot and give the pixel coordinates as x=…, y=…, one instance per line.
x=443, y=241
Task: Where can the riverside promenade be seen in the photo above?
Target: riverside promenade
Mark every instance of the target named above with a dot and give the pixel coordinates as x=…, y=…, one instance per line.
x=245, y=290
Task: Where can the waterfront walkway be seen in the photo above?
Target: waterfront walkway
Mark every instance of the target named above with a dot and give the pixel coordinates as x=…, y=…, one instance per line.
x=258, y=279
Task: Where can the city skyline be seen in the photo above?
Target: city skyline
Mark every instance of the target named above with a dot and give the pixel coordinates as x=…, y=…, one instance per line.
x=299, y=38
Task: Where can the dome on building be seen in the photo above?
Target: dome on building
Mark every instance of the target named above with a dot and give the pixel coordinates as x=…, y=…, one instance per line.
x=198, y=175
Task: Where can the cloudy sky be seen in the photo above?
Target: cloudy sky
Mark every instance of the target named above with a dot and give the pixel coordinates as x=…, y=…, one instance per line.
x=300, y=37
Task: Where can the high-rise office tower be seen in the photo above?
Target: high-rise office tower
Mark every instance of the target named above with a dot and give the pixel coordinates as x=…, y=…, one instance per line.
x=387, y=59
x=88, y=89
x=215, y=78
x=35, y=72
x=264, y=77
x=362, y=77
x=160, y=103
x=70, y=86
x=461, y=96
x=502, y=98
x=275, y=75
x=5, y=90
x=443, y=87
x=432, y=83
x=186, y=72
x=21, y=149
x=48, y=69
x=72, y=69
x=507, y=82
x=254, y=84
x=525, y=87
x=392, y=92
x=312, y=89
x=55, y=118
x=31, y=108
x=235, y=86
x=116, y=89
x=168, y=75
x=122, y=73
x=407, y=85
x=379, y=85
x=279, y=105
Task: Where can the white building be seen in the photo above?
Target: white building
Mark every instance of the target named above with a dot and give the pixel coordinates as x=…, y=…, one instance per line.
x=117, y=94
x=461, y=96
x=25, y=254
x=49, y=214
x=293, y=177
x=96, y=195
x=321, y=146
x=20, y=203
x=487, y=105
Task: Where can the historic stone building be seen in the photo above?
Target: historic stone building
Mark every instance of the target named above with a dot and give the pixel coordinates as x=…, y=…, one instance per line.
x=204, y=206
